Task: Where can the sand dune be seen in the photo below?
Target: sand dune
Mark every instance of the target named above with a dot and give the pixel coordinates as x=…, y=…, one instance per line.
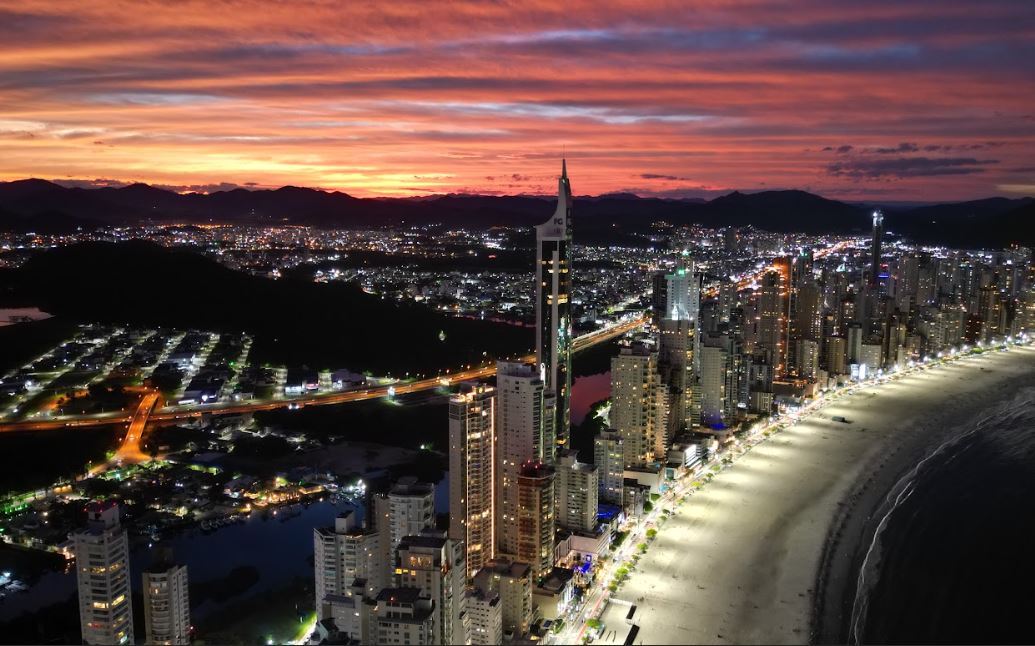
x=739, y=562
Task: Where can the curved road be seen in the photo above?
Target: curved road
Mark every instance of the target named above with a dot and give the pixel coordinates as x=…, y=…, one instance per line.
x=169, y=413
x=143, y=413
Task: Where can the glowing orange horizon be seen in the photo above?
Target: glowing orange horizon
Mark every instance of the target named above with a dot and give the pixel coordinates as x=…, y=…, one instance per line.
x=882, y=101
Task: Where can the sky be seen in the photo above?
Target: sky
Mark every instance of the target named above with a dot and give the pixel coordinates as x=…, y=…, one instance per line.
x=860, y=100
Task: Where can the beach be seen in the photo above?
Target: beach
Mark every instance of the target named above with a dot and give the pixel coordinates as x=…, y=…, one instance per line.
x=769, y=551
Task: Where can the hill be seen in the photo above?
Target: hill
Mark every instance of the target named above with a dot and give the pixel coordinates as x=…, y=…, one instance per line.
x=295, y=322
x=612, y=218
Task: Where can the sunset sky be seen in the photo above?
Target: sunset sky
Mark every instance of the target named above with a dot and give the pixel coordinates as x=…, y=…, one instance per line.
x=854, y=100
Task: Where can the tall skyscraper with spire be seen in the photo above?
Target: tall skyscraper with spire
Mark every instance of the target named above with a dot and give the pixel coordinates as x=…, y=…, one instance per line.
x=553, y=305
x=878, y=235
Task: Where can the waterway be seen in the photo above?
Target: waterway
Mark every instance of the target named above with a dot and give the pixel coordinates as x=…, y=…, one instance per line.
x=586, y=391
x=278, y=543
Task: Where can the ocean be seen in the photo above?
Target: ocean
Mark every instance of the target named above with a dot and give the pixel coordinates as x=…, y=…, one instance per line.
x=952, y=560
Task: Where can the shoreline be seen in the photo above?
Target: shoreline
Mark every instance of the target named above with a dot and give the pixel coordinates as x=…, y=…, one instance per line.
x=866, y=504
x=765, y=552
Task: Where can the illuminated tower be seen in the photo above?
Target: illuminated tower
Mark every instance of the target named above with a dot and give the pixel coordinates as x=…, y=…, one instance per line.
x=773, y=305
x=878, y=235
x=524, y=431
x=102, y=565
x=677, y=360
x=638, y=404
x=472, y=473
x=536, y=515
x=553, y=333
x=166, y=604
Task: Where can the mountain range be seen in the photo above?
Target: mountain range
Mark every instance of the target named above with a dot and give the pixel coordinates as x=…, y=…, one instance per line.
x=46, y=207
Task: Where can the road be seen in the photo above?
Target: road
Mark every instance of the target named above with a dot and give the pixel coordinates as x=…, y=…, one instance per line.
x=129, y=451
x=172, y=413
x=598, y=596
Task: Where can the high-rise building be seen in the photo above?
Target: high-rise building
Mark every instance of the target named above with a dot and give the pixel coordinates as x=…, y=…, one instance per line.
x=875, y=250
x=435, y=565
x=773, y=309
x=683, y=294
x=722, y=379
x=716, y=366
x=472, y=473
x=402, y=616
x=346, y=556
x=512, y=581
x=677, y=362
x=484, y=617
x=536, y=517
x=102, y=575
x=410, y=509
x=166, y=603
x=659, y=296
x=554, y=334
x=806, y=320
x=524, y=431
x=808, y=358
x=578, y=491
x=609, y=458
x=853, y=347
x=675, y=368
x=637, y=403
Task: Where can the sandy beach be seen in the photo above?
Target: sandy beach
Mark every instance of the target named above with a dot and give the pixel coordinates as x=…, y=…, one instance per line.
x=768, y=551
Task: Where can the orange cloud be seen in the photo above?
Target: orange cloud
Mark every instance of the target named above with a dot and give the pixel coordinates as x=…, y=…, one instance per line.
x=412, y=97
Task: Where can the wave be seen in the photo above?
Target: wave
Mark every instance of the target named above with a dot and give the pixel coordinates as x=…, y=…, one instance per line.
x=1006, y=412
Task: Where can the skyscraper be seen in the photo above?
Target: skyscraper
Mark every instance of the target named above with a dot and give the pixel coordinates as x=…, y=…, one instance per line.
x=553, y=335
x=837, y=355
x=166, y=604
x=536, y=517
x=434, y=565
x=411, y=509
x=637, y=403
x=683, y=296
x=472, y=473
x=483, y=617
x=878, y=235
x=715, y=370
x=773, y=324
x=609, y=458
x=342, y=554
x=512, y=581
x=677, y=362
x=578, y=490
x=524, y=431
x=102, y=575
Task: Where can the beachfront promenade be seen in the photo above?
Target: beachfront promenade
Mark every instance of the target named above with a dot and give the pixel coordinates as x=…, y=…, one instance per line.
x=738, y=561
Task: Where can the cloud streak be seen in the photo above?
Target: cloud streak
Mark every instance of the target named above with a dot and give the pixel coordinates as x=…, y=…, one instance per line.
x=409, y=98
x=908, y=167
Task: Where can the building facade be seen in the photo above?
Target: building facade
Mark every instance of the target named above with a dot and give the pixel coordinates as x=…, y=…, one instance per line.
x=472, y=473
x=578, y=489
x=102, y=576
x=524, y=431
x=609, y=458
x=536, y=517
x=166, y=605
x=554, y=333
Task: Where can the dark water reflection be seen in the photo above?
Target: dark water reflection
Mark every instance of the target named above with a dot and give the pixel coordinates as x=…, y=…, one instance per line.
x=279, y=546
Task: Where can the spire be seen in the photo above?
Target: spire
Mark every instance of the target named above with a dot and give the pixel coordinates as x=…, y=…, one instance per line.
x=564, y=168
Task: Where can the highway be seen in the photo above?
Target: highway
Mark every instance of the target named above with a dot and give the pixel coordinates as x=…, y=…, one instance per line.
x=129, y=452
x=143, y=414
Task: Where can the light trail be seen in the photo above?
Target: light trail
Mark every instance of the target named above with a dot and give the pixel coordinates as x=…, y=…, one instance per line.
x=172, y=413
